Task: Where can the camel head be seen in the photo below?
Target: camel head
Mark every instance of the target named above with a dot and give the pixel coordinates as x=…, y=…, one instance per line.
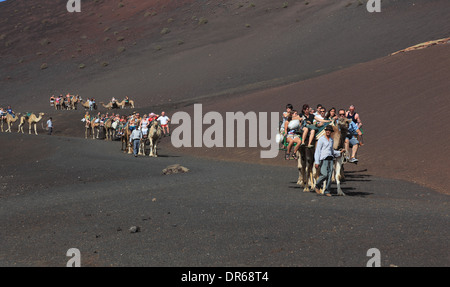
x=344, y=123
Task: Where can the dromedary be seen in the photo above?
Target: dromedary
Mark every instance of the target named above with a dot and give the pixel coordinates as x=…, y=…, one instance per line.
x=307, y=171
x=123, y=104
x=9, y=121
x=74, y=100
x=338, y=135
x=95, y=125
x=110, y=131
x=109, y=106
x=125, y=138
x=32, y=120
x=154, y=135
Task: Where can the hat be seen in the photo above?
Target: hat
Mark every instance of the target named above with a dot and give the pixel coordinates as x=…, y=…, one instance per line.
x=329, y=128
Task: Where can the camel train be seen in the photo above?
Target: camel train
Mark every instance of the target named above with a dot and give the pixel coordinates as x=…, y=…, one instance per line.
x=70, y=102
x=308, y=174
x=31, y=119
x=111, y=128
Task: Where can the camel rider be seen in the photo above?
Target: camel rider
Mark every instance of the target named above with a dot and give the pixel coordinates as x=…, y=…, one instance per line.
x=3, y=113
x=292, y=126
x=353, y=138
x=319, y=117
x=310, y=125
x=286, y=114
x=144, y=125
x=10, y=111
x=52, y=100
x=354, y=116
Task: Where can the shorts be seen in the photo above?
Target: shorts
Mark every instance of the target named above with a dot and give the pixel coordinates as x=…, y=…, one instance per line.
x=293, y=136
x=312, y=127
x=353, y=141
x=164, y=125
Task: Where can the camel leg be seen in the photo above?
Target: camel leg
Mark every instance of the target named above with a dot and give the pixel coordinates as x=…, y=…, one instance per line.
x=141, y=148
x=300, y=170
x=151, y=146
x=338, y=176
x=35, y=129
x=154, y=149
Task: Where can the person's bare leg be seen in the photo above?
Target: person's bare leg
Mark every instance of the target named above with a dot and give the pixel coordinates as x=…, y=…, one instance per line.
x=354, y=150
x=305, y=133
x=311, y=137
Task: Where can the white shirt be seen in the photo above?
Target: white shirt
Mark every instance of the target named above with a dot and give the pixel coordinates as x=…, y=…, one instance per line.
x=49, y=124
x=324, y=149
x=163, y=120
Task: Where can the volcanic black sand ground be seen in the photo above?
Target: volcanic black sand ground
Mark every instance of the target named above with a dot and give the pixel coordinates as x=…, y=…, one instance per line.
x=232, y=208
x=86, y=194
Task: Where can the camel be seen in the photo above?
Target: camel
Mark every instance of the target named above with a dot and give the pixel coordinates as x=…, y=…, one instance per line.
x=123, y=104
x=154, y=134
x=306, y=169
x=338, y=135
x=86, y=105
x=125, y=138
x=305, y=164
x=142, y=144
x=32, y=120
x=9, y=120
x=110, y=106
x=74, y=100
x=110, y=131
x=95, y=125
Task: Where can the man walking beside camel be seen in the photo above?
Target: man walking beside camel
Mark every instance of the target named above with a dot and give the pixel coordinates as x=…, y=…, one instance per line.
x=323, y=159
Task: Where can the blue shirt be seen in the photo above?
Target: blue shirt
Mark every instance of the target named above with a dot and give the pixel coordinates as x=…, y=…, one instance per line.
x=325, y=149
x=352, y=128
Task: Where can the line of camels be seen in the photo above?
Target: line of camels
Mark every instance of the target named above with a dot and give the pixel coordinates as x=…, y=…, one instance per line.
x=154, y=136
x=71, y=103
x=30, y=119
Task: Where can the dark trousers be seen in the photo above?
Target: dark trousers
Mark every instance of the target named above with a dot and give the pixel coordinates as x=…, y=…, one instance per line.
x=50, y=130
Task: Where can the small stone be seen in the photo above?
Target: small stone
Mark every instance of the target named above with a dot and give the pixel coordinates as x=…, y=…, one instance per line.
x=134, y=229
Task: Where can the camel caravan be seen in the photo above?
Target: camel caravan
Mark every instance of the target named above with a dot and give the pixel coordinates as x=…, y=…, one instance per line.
x=70, y=102
x=8, y=117
x=152, y=129
x=310, y=136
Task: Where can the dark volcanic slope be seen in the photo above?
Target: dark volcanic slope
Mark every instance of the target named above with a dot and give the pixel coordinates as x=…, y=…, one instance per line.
x=241, y=47
x=398, y=98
